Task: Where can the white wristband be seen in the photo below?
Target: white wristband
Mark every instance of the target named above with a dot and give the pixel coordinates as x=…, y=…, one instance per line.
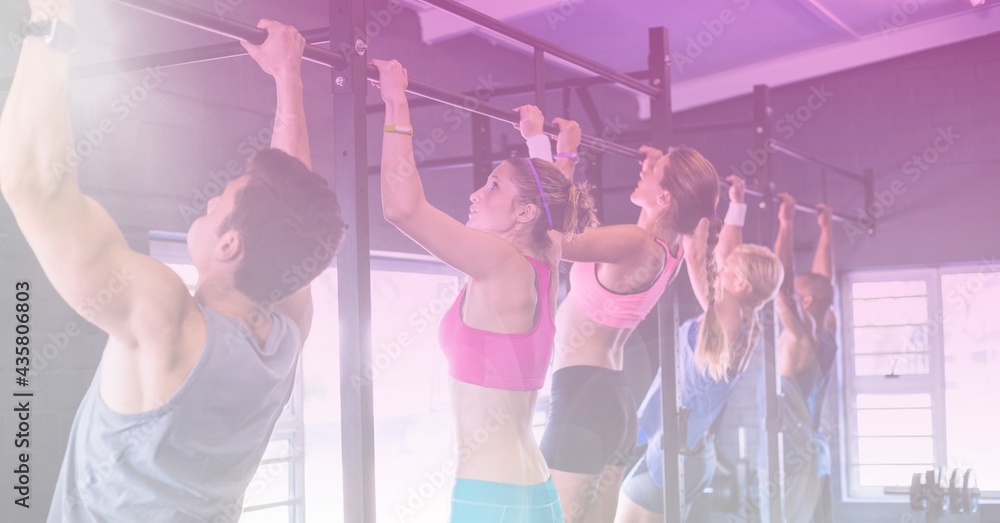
x=540, y=147
x=736, y=214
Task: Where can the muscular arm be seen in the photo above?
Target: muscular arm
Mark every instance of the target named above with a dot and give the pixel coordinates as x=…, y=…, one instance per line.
x=823, y=261
x=608, y=244
x=81, y=250
x=731, y=235
x=793, y=318
x=281, y=57
x=477, y=254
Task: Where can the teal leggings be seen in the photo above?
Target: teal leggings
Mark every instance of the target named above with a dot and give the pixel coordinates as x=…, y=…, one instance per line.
x=475, y=501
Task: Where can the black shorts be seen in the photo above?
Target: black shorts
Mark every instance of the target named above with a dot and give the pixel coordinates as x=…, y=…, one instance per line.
x=591, y=422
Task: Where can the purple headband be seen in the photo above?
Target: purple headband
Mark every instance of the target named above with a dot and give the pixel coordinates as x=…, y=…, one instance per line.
x=713, y=217
x=538, y=181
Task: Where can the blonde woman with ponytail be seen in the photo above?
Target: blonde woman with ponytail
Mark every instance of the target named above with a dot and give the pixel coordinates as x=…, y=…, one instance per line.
x=731, y=282
x=618, y=275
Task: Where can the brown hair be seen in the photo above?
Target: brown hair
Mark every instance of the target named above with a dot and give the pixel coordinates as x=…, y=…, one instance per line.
x=571, y=205
x=693, y=185
x=715, y=353
x=290, y=224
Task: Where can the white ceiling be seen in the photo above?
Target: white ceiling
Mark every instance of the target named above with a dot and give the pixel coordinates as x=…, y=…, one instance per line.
x=721, y=48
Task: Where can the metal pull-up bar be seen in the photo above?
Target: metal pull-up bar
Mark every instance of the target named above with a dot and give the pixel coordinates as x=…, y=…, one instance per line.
x=533, y=41
x=788, y=150
x=214, y=24
x=840, y=217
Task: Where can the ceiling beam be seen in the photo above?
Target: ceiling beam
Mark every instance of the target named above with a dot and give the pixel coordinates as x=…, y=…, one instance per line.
x=437, y=25
x=838, y=57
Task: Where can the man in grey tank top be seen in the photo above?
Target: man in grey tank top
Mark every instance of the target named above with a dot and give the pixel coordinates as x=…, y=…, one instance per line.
x=189, y=388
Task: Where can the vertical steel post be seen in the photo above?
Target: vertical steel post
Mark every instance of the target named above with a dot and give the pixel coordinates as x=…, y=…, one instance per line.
x=772, y=496
x=870, y=198
x=350, y=86
x=661, y=124
x=594, y=157
x=482, y=150
x=540, y=79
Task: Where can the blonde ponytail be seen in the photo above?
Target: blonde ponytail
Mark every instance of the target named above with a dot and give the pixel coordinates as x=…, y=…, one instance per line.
x=715, y=355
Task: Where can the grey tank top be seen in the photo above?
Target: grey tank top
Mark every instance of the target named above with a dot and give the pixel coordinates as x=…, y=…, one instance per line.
x=191, y=459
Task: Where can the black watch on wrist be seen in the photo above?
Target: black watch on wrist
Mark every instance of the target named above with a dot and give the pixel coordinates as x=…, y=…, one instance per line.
x=56, y=33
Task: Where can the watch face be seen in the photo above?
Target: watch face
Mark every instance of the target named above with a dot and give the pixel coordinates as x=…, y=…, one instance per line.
x=56, y=34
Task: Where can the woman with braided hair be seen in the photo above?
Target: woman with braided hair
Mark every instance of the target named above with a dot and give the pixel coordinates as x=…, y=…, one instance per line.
x=732, y=282
x=618, y=275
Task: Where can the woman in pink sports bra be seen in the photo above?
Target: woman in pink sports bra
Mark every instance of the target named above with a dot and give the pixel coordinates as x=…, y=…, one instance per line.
x=498, y=335
x=619, y=273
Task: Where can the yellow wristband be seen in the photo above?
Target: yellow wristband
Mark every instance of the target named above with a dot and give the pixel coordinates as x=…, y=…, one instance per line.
x=401, y=129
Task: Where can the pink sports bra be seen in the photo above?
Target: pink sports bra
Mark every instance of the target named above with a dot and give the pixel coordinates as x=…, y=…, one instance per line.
x=501, y=361
x=620, y=311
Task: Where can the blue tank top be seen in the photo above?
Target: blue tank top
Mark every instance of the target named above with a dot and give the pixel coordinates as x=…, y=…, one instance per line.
x=191, y=459
x=704, y=397
x=813, y=382
x=804, y=395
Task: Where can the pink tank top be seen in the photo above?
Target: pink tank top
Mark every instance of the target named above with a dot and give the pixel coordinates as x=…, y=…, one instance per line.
x=501, y=361
x=620, y=311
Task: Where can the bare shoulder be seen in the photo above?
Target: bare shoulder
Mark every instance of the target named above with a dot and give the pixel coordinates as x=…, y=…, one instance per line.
x=606, y=244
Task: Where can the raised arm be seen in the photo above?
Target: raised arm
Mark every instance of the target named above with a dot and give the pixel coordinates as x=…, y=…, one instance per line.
x=823, y=259
x=531, y=126
x=404, y=204
x=731, y=234
x=567, y=144
x=81, y=250
x=615, y=243
x=281, y=57
x=790, y=312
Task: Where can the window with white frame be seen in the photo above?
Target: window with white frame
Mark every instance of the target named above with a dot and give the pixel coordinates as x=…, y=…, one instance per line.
x=922, y=354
